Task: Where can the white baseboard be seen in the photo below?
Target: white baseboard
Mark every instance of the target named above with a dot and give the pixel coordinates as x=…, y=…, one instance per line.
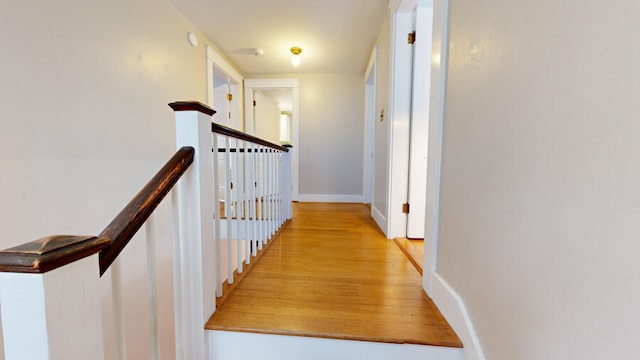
x=453, y=309
x=229, y=345
x=380, y=219
x=339, y=198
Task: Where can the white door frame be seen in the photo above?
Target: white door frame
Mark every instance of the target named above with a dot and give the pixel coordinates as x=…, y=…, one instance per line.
x=368, y=179
x=283, y=83
x=215, y=60
x=439, y=68
x=399, y=130
x=400, y=113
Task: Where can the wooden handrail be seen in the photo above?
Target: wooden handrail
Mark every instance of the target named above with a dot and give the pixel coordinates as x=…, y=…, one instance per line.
x=49, y=253
x=220, y=129
x=191, y=106
x=125, y=225
x=52, y=252
x=227, y=131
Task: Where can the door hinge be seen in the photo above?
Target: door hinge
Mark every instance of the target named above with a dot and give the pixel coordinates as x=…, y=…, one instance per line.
x=405, y=208
x=229, y=97
x=231, y=186
x=254, y=103
x=411, y=39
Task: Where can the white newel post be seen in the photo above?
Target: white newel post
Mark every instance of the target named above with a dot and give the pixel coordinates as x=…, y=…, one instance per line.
x=286, y=184
x=51, y=307
x=195, y=270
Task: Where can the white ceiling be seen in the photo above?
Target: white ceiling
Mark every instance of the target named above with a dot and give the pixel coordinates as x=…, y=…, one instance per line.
x=336, y=36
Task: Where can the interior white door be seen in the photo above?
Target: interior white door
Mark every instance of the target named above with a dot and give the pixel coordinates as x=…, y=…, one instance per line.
x=419, y=132
x=220, y=102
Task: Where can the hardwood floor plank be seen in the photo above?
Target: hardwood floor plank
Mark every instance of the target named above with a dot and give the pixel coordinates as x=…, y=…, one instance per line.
x=333, y=274
x=413, y=249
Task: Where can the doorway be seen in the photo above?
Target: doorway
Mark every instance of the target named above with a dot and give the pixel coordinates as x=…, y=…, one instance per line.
x=432, y=17
x=419, y=122
x=276, y=87
x=224, y=91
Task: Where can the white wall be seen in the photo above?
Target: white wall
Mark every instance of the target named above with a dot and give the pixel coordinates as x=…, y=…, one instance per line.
x=84, y=123
x=540, y=200
x=331, y=135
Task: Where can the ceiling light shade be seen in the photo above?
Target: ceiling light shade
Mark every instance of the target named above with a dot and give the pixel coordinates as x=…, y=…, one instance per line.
x=295, y=56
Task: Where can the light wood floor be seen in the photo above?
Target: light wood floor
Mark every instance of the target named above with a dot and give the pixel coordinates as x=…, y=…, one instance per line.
x=413, y=249
x=332, y=274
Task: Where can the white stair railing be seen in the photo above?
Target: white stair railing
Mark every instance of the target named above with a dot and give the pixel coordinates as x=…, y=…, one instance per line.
x=51, y=289
x=251, y=210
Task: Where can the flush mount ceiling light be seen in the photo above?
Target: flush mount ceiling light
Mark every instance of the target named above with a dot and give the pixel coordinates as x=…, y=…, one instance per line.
x=295, y=56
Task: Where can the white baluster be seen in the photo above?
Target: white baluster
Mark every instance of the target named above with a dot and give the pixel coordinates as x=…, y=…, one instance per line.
x=152, y=288
x=254, y=198
x=270, y=181
x=118, y=312
x=237, y=189
x=227, y=210
x=279, y=188
x=286, y=184
x=269, y=192
x=217, y=214
x=177, y=276
x=247, y=204
x=260, y=204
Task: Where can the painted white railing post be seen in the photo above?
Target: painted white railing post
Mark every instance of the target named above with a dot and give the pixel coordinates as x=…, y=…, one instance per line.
x=196, y=268
x=51, y=310
x=286, y=184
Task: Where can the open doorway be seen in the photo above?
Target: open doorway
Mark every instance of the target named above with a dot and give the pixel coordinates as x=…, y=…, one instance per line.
x=419, y=122
x=284, y=93
x=272, y=115
x=224, y=91
x=411, y=72
x=417, y=103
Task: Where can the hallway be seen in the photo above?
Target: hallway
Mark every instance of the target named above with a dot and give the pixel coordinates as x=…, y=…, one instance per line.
x=332, y=274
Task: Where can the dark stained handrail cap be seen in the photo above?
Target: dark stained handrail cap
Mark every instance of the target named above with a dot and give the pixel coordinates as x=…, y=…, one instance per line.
x=192, y=106
x=49, y=253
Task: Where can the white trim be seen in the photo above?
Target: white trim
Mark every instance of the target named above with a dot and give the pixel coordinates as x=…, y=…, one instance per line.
x=222, y=64
x=379, y=218
x=439, y=56
x=399, y=117
x=230, y=345
x=339, y=198
x=372, y=62
x=453, y=309
x=370, y=92
x=234, y=83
